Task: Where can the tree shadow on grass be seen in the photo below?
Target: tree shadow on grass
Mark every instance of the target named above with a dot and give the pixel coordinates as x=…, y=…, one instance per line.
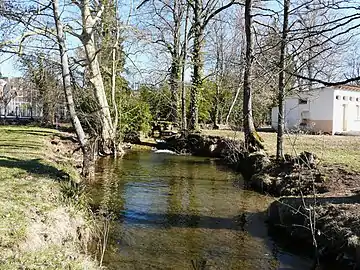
x=31, y=132
x=29, y=146
x=34, y=166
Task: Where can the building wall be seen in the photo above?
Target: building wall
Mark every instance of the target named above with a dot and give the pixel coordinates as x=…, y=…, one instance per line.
x=321, y=110
x=351, y=101
x=316, y=114
x=292, y=116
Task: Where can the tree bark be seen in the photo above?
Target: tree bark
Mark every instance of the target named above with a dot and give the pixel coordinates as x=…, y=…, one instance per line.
x=175, y=64
x=88, y=159
x=219, y=78
x=198, y=66
x=48, y=112
x=252, y=139
x=216, y=107
x=232, y=104
x=281, y=94
x=183, y=65
x=114, y=66
x=108, y=133
x=174, y=86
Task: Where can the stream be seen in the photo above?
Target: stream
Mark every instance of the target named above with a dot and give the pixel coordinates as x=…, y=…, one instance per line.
x=184, y=212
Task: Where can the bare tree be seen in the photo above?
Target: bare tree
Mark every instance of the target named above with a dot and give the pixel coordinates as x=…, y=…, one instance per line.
x=90, y=19
x=184, y=51
x=252, y=139
x=238, y=86
x=41, y=74
x=281, y=94
x=167, y=22
x=85, y=147
x=203, y=13
x=224, y=59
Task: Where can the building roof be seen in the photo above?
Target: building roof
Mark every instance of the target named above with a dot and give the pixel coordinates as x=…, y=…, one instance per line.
x=347, y=87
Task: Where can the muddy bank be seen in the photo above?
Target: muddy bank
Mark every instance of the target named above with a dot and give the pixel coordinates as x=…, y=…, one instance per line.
x=337, y=223
x=302, y=174
x=232, y=152
x=336, y=208
x=260, y=170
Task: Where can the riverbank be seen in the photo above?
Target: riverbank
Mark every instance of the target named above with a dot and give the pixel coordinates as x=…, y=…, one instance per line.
x=343, y=151
x=43, y=224
x=310, y=187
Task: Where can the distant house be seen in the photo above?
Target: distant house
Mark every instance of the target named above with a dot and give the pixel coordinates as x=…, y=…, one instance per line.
x=325, y=109
x=17, y=100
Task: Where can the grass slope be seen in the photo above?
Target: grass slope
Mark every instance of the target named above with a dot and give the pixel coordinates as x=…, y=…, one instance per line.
x=38, y=228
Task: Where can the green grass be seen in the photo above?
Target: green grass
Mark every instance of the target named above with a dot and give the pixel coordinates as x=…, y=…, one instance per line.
x=342, y=150
x=38, y=230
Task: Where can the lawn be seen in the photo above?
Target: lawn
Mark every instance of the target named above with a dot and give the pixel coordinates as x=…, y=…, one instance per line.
x=343, y=150
x=38, y=227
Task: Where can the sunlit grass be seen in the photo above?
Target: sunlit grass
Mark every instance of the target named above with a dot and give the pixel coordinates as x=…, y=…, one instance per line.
x=30, y=192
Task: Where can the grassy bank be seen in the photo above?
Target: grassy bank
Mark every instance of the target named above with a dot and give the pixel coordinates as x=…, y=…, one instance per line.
x=342, y=150
x=39, y=227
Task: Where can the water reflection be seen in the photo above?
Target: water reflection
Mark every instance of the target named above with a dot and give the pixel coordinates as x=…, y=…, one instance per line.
x=174, y=211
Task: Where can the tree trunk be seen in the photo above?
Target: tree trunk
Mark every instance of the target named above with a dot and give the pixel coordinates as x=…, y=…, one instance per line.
x=232, y=105
x=108, y=133
x=175, y=64
x=219, y=77
x=114, y=65
x=68, y=90
x=198, y=67
x=89, y=154
x=281, y=94
x=216, y=107
x=174, y=86
x=48, y=113
x=252, y=139
x=183, y=64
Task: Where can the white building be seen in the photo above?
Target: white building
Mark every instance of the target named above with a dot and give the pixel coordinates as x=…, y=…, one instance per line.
x=325, y=109
x=16, y=100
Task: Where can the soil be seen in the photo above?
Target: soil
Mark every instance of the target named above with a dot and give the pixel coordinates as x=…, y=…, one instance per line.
x=337, y=209
x=341, y=181
x=64, y=146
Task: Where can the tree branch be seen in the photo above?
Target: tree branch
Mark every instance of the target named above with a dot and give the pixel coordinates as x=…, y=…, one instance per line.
x=213, y=14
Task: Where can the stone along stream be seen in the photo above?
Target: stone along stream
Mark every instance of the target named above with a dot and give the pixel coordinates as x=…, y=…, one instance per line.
x=183, y=212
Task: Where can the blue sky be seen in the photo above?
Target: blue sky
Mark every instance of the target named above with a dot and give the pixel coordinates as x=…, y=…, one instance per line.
x=143, y=60
x=8, y=66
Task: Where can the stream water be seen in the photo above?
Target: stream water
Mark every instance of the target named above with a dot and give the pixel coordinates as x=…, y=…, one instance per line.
x=183, y=212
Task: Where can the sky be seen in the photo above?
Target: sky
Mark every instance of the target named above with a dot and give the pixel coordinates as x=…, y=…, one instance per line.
x=8, y=66
x=139, y=63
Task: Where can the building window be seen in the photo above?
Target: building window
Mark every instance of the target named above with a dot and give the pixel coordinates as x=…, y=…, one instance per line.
x=357, y=99
x=338, y=97
x=351, y=98
x=302, y=101
x=344, y=98
x=357, y=112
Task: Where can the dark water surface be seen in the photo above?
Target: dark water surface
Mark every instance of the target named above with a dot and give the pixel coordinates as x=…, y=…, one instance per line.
x=176, y=211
